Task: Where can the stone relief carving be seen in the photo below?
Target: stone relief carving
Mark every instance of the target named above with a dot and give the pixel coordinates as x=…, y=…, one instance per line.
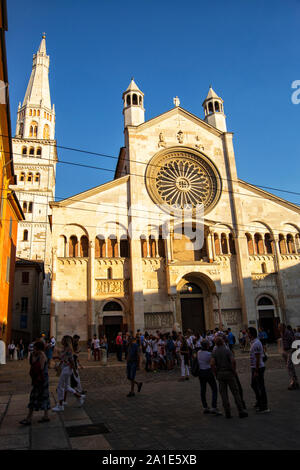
x=229, y=316
x=158, y=320
x=180, y=137
x=161, y=141
x=199, y=145
x=111, y=286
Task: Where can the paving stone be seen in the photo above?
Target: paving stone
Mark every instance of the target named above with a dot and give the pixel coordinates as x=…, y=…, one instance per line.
x=97, y=442
x=52, y=438
x=17, y=441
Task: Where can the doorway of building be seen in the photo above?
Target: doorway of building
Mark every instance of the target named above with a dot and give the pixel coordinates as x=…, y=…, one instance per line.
x=266, y=318
x=111, y=326
x=192, y=308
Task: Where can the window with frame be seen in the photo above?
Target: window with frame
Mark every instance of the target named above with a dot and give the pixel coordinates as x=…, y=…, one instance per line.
x=25, y=277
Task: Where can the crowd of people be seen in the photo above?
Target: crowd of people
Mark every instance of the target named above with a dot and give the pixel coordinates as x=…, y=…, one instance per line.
x=209, y=356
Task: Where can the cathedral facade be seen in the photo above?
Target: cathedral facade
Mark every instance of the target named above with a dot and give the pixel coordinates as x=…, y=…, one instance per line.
x=176, y=240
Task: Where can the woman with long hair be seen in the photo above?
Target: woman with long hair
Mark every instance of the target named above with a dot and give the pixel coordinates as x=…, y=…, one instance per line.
x=67, y=366
x=39, y=396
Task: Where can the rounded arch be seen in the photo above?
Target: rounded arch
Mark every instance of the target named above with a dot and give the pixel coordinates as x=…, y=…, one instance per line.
x=196, y=278
x=121, y=307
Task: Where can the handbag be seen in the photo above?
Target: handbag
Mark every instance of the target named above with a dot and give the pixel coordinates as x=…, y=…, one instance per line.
x=195, y=367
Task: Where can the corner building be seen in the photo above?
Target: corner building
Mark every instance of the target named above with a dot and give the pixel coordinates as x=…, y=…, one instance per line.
x=109, y=278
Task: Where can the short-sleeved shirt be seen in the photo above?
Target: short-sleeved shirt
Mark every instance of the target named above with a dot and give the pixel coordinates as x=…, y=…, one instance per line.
x=204, y=358
x=222, y=356
x=256, y=348
x=133, y=353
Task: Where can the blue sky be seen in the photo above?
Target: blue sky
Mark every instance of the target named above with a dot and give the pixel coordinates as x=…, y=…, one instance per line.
x=248, y=50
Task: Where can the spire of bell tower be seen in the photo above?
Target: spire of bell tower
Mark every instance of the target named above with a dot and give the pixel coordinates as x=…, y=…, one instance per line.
x=35, y=116
x=134, y=112
x=214, y=110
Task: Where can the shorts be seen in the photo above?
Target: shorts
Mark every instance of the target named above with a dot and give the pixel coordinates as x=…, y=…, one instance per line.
x=131, y=370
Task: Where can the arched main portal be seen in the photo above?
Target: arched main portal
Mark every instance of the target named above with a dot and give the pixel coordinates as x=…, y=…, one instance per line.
x=111, y=322
x=195, y=292
x=267, y=318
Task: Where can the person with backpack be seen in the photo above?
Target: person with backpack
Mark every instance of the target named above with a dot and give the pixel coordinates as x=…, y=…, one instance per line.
x=206, y=376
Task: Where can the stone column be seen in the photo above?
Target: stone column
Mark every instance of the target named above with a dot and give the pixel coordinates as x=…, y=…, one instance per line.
x=91, y=323
x=53, y=316
x=279, y=282
x=210, y=247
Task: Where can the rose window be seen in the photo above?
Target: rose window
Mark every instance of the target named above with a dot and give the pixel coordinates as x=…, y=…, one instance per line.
x=183, y=179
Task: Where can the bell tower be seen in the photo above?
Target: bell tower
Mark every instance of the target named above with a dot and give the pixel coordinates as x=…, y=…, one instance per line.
x=214, y=110
x=35, y=158
x=133, y=110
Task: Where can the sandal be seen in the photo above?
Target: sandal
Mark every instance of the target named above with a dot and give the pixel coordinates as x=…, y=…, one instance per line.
x=43, y=420
x=25, y=422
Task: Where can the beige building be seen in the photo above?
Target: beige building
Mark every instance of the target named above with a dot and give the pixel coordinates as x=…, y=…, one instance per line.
x=35, y=158
x=123, y=257
x=28, y=299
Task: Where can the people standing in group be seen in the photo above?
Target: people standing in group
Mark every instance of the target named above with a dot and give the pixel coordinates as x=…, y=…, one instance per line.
x=170, y=352
x=224, y=368
x=287, y=339
x=257, y=371
x=133, y=359
x=96, y=347
x=67, y=368
x=119, y=346
x=39, y=396
x=11, y=350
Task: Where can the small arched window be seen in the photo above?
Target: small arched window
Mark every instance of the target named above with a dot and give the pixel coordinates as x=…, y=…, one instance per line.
x=30, y=204
x=73, y=246
x=24, y=151
x=217, y=244
x=161, y=247
x=210, y=107
x=268, y=243
x=30, y=112
x=217, y=107
x=34, y=112
x=46, y=132
x=62, y=248
x=38, y=112
x=250, y=244
x=31, y=151
x=112, y=247
x=258, y=244
x=128, y=101
x=231, y=244
x=24, y=207
x=22, y=176
x=152, y=247
x=25, y=235
x=84, y=247
x=144, y=246
x=224, y=244
x=124, y=248
x=265, y=301
x=29, y=177
x=109, y=273
x=282, y=244
x=134, y=99
x=290, y=244
x=100, y=247
x=264, y=268
x=37, y=177
x=39, y=152
x=33, y=129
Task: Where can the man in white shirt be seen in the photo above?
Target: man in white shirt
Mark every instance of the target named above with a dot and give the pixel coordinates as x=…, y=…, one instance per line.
x=257, y=371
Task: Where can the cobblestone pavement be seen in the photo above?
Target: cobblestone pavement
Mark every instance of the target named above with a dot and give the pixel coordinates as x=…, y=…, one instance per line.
x=167, y=414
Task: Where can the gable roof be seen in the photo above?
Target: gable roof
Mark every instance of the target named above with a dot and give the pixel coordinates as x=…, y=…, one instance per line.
x=90, y=192
x=177, y=110
x=270, y=196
